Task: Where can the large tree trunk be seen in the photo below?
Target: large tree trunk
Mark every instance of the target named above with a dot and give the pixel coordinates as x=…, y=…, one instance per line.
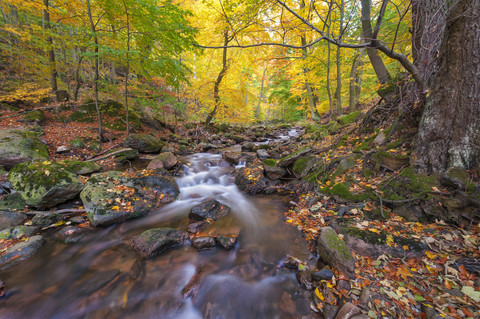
x=338, y=96
x=356, y=79
x=449, y=133
x=51, y=53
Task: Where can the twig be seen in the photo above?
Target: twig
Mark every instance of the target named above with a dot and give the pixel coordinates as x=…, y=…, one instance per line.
x=61, y=211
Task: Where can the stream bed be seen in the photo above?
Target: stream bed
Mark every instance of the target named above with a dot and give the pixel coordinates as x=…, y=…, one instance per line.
x=99, y=277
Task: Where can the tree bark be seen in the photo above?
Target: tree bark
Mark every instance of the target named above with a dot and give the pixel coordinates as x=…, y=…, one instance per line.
x=356, y=79
x=128, y=68
x=338, y=95
x=367, y=33
x=260, y=95
x=51, y=52
x=449, y=132
x=95, y=38
x=216, y=86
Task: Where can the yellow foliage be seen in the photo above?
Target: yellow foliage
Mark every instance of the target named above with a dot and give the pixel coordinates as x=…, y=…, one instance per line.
x=28, y=92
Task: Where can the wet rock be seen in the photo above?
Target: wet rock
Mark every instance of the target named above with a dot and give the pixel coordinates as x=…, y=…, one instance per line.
x=156, y=241
x=19, y=146
x=113, y=197
x=262, y=154
x=292, y=262
x=126, y=155
x=70, y=234
x=251, y=179
x=196, y=227
x=44, y=184
x=231, y=157
x=144, y=143
x=248, y=147
x=13, y=201
x=3, y=289
x=227, y=241
x=203, y=242
x=323, y=274
x=47, y=219
x=77, y=220
x=8, y=219
x=348, y=311
x=165, y=160
x=335, y=252
x=209, y=209
x=21, y=251
x=18, y=232
x=304, y=278
x=290, y=159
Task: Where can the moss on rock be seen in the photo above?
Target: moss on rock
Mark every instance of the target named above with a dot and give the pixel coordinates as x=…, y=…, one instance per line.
x=349, y=118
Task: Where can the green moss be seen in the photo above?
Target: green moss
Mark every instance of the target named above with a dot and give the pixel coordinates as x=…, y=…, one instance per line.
x=349, y=118
x=380, y=238
x=12, y=201
x=81, y=116
x=335, y=243
x=35, y=116
x=78, y=142
x=341, y=190
x=418, y=183
x=80, y=168
x=395, y=144
x=270, y=162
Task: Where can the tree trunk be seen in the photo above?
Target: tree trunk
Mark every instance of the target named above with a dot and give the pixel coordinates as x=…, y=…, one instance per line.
x=51, y=53
x=356, y=79
x=329, y=92
x=128, y=68
x=367, y=33
x=95, y=38
x=260, y=95
x=338, y=95
x=216, y=87
x=449, y=132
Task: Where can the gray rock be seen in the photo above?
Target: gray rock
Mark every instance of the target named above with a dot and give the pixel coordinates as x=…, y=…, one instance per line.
x=20, y=146
x=262, y=154
x=335, y=252
x=156, y=241
x=303, y=166
x=380, y=139
x=63, y=149
x=70, y=234
x=47, y=219
x=13, y=201
x=273, y=172
x=144, y=143
x=248, y=147
x=165, y=160
x=231, y=157
x=348, y=311
x=203, y=242
x=113, y=197
x=304, y=278
x=8, y=219
x=44, y=184
x=18, y=232
x=290, y=159
x=196, y=227
x=209, y=209
x=126, y=155
x=323, y=274
x=20, y=252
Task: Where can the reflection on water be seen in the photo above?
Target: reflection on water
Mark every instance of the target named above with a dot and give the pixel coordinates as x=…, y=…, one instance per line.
x=100, y=278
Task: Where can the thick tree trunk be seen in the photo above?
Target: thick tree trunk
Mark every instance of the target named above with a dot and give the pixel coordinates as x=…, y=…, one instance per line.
x=216, y=86
x=338, y=96
x=367, y=33
x=449, y=133
x=356, y=79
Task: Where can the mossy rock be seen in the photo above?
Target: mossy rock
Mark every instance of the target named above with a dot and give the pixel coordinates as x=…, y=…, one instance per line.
x=127, y=155
x=34, y=117
x=13, y=202
x=408, y=184
x=335, y=252
x=81, y=116
x=156, y=241
x=80, y=167
x=144, y=143
x=349, y=118
x=18, y=232
x=113, y=197
x=342, y=191
x=288, y=160
x=19, y=146
x=270, y=162
x=44, y=184
x=303, y=166
x=393, y=161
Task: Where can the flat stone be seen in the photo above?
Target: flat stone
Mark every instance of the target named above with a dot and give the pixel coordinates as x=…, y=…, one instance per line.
x=21, y=251
x=157, y=241
x=8, y=219
x=209, y=209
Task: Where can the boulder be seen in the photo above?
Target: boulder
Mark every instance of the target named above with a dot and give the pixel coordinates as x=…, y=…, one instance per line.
x=335, y=252
x=290, y=159
x=227, y=241
x=272, y=170
x=248, y=147
x=156, y=241
x=165, y=160
x=113, y=197
x=203, y=242
x=126, y=155
x=44, y=184
x=21, y=251
x=35, y=117
x=20, y=146
x=18, y=232
x=211, y=209
x=231, y=157
x=303, y=166
x=8, y=219
x=251, y=180
x=262, y=154
x=144, y=143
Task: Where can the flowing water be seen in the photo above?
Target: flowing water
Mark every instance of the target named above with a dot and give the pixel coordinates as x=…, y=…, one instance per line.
x=99, y=277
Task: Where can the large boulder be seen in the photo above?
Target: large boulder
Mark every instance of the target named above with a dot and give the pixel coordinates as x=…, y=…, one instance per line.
x=251, y=179
x=13, y=201
x=144, y=143
x=44, y=184
x=272, y=170
x=211, y=209
x=290, y=159
x=165, y=160
x=20, y=146
x=34, y=117
x=21, y=251
x=335, y=252
x=113, y=197
x=157, y=241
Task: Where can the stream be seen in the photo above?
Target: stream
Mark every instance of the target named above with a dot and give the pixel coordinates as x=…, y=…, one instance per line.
x=99, y=277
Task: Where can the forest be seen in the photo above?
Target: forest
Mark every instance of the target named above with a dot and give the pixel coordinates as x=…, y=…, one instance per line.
x=240, y=159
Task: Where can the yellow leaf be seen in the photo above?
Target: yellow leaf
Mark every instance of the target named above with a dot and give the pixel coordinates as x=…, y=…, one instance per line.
x=116, y=208
x=374, y=230
x=319, y=294
x=430, y=255
x=389, y=240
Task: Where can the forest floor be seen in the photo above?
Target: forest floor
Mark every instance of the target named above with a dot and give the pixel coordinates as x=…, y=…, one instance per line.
x=426, y=283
